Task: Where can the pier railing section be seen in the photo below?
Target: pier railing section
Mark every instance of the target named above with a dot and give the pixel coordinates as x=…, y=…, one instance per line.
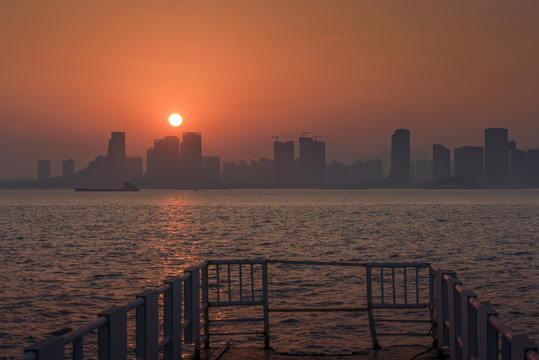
x=469, y=328
x=187, y=309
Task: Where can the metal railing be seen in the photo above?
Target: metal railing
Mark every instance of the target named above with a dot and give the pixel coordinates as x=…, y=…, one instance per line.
x=470, y=329
x=461, y=324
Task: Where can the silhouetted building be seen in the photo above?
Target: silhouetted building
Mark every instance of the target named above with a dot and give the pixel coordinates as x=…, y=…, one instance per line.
x=211, y=169
x=163, y=162
x=43, y=170
x=283, y=161
x=469, y=162
x=312, y=160
x=255, y=173
x=441, y=162
x=68, y=168
x=496, y=155
x=190, y=157
x=116, y=150
x=400, y=156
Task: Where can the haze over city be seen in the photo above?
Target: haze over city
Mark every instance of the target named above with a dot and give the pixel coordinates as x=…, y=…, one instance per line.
x=241, y=72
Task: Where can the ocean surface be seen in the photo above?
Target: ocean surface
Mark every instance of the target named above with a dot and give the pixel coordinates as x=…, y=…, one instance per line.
x=65, y=256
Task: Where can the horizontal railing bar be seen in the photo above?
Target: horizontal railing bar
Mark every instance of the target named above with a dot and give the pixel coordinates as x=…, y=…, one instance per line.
x=403, y=320
x=83, y=330
x=164, y=342
x=399, y=265
x=236, y=303
x=134, y=304
x=304, y=262
x=163, y=288
x=232, y=261
x=402, y=334
x=235, y=320
x=475, y=303
x=503, y=329
x=359, y=309
x=400, y=306
x=532, y=355
x=237, y=333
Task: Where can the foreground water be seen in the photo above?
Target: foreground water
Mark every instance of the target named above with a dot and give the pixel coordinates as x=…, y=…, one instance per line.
x=65, y=256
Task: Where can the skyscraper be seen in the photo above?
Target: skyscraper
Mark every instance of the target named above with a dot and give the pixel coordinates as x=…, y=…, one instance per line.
x=283, y=161
x=116, y=150
x=68, y=168
x=190, y=157
x=312, y=160
x=441, y=162
x=496, y=155
x=469, y=162
x=400, y=156
x=43, y=170
x=163, y=162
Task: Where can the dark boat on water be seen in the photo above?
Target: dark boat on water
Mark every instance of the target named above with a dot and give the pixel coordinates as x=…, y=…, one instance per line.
x=127, y=187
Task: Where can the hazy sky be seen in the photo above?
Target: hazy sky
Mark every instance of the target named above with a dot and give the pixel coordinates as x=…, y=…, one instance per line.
x=243, y=71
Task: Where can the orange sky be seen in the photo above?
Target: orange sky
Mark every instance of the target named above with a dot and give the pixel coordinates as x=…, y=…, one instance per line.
x=242, y=71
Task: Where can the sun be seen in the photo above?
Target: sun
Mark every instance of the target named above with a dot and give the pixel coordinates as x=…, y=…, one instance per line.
x=175, y=120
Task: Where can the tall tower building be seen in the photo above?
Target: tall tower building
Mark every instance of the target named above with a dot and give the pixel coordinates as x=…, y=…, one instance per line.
x=312, y=160
x=163, y=161
x=283, y=161
x=496, y=155
x=68, y=168
x=43, y=170
x=469, y=162
x=441, y=162
x=191, y=157
x=400, y=156
x=116, y=151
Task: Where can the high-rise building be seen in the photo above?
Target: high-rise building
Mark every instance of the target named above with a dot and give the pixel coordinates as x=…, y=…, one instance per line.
x=469, y=162
x=496, y=155
x=116, y=150
x=400, y=156
x=68, y=168
x=190, y=157
x=43, y=170
x=163, y=162
x=312, y=160
x=283, y=161
x=441, y=162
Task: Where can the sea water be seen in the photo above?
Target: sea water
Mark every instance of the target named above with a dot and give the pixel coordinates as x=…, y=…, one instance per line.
x=65, y=256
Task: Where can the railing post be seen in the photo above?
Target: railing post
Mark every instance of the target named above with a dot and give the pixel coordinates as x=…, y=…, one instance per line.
x=173, y=319
x=375, y=344
x=454, y=313
x=520, y=345
x=442, y=312
x=469, y=324
x=192, y=309
x=112, y=337
x=488, y=335
x=206, y=305
x=147, y=326
x=266, y=299
x=52, y=348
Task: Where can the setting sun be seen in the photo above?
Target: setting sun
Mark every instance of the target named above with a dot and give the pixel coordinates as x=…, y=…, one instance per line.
x=175, y=120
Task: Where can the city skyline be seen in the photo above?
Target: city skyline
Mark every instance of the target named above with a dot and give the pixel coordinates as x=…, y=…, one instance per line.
x=171, y=163
x=350, y=71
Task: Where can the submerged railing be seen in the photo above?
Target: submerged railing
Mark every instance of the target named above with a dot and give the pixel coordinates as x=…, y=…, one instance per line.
x=175, y=313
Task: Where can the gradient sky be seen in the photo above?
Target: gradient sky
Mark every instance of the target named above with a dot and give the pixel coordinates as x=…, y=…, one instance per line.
x=243, y=71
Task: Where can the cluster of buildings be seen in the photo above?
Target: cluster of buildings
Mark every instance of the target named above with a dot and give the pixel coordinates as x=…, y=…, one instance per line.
x=172, y=163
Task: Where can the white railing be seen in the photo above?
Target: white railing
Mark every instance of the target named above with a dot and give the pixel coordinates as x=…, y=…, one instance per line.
x=461, y=324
